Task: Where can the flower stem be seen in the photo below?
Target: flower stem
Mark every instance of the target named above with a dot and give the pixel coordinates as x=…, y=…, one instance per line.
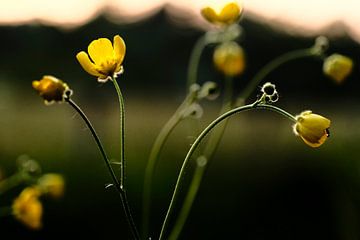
x=154, y=157
x=122, y=159
x=195, y=60
x=97, y=140
x=13, y=181
x=122, y=133
x=196, y=143
x=202, y=162
x=117, y=184
x=271, y=66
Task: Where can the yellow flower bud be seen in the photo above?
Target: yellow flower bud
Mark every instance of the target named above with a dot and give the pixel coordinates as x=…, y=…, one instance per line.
x=312, y=128
x=337, y=67
x=28, y=209
x=52, y=89
x=222, y=15
x=229, y=58
x=106, y=58
x=52, y=184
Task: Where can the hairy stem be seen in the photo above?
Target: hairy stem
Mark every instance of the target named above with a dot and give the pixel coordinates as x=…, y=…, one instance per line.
x=117, y=184
x=194, y=61
x=271, y=66
x=196, y=143
x=154, y=157
x=202, y=162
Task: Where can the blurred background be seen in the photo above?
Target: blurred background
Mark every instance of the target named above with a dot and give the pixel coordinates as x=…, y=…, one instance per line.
x=264, y=182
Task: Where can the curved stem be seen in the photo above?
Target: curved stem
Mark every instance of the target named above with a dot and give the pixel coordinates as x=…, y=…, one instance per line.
x=117, y=184
x=202, y=162
x=272, y=65
x=97, y=140
x=154, y=156
x=224, y=116
x=189, y=199
x=194, y=61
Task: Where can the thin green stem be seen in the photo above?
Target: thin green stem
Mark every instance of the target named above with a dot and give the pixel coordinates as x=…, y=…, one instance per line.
x=122, y=160
x=190, y=197
x=193, y=147
x=271, y=66
x=122, y=132
x=202, y=162
x=13, y=181
x=117, y=184
x=195, y=60
x=154, y=157
x=97, y=140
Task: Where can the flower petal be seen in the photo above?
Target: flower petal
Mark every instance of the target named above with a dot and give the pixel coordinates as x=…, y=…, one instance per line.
x=119, y=49
x=209, y=14
x=86, y=64
x=100, y=50
x=230, y=13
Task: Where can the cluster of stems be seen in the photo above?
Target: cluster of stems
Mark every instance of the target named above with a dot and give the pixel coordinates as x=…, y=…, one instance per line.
x=230, y=106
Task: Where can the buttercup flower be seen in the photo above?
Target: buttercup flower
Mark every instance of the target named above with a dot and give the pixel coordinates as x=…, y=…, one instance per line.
x=229, y=58
x=52, y=89
x=226, y=15
x=52, y=184
x=106, y=58
x=28, y=209
x=337, y=67
x=312, y=128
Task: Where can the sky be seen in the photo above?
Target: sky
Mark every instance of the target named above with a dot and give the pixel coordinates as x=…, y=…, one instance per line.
x=305, y=17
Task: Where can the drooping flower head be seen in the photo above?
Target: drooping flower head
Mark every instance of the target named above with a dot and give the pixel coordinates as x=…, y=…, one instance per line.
x=312, y=128
x=52, y=184
x=229, y=58
x=104, y=59
x=222, y=15
x=28, y=209
x=337, y=67
x=52, y=89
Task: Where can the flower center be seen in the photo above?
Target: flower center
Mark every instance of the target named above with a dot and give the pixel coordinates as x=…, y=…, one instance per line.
x=108, y=67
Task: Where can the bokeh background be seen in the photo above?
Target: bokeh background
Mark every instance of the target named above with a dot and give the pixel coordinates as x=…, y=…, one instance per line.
x=264, y=182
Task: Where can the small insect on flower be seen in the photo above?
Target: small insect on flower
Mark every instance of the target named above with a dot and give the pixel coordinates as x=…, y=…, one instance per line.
x=52, y=89
x=222, y=15
x=337, y=67
x=106, y=58
x=229, y=58
x=312, y=128
x=28, y=209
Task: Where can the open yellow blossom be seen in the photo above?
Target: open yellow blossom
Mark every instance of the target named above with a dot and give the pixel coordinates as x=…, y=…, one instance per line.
x=52, y=184
x=28, y=209
x=229, y=58
x=224, y=15
x=337, y=67
x=312, y=128
x=52, y=89
x=106, y=58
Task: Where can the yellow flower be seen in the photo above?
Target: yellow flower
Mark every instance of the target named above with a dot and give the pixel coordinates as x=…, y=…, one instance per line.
x=28, y=209
x=229, y=58
x=337, y=67
x=225, y=15
x=312, y=128
x=106, y=59
x=52, y=89
x=52, y=184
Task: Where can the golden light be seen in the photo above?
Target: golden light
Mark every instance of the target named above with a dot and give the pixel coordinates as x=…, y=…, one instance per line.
x=305, y=17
